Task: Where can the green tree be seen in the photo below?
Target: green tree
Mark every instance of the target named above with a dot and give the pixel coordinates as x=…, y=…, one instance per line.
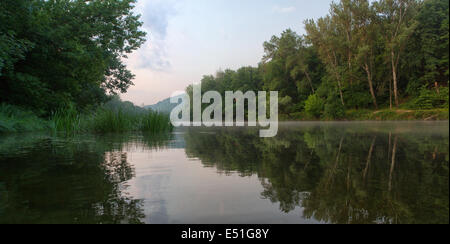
x=279, y=64
x=367, y=35
x=322, y=33
x=66, y=48
x=432, y=33
x=396, y=19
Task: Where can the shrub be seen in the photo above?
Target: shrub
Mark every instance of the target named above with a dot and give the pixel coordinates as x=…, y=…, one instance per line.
x=16, y=119
x=334, y=108
x=429, y=99
x=314, y=106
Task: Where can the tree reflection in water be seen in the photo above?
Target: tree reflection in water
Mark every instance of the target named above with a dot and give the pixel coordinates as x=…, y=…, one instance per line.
x=336, y=173
x=77, y=180
x=340, y=173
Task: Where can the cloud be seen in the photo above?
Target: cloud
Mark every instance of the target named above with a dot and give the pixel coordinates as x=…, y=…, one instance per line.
x=156, y=15
x=283, y=10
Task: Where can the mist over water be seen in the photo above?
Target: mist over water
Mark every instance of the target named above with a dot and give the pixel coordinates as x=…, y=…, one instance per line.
x=355, y=172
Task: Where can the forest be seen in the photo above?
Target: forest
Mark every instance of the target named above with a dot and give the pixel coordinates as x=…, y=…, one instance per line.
x=363, y=56
x=62, y=63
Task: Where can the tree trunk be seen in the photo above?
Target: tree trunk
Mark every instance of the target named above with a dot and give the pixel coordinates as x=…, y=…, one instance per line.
x=369, y=158
x=369, y=79
x=340, y=91
x=338, y=77
x=391, y=172
x=394, y=78
x=349, y=168
x=310, y=81
x=336, y=162
x=390, y=94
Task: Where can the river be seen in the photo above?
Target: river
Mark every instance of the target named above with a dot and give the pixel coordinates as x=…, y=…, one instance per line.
x=311, y=173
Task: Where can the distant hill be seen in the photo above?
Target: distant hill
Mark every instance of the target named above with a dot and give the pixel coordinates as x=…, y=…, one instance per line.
x=164, y=106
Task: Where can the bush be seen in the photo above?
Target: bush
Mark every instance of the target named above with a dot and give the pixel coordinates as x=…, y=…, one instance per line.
x=314, y=106
x=334, y=108
x=16, y=119
x=443, y=97
x=429, y=99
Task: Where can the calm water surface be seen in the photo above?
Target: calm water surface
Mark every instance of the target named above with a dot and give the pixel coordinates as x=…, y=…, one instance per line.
x=310, y=173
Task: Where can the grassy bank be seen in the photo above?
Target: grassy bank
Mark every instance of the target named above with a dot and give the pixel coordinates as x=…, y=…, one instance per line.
x=399, y=114
x=117, y=119
x=107, y=119
x=378, y=115
x=15, y=119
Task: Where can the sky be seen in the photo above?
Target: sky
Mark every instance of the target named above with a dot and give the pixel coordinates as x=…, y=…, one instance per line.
x=187, y=39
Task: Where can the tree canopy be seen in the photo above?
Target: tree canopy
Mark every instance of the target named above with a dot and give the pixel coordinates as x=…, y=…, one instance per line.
x=60, y=52
x=362, y=55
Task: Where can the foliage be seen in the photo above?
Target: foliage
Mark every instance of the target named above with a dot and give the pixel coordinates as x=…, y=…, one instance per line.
x=15, y=119
x=59, y=52
x=334, y=108
x=114, y=116
x=66, y=57
x=67, y=120
x=314, y=106
x=375, y=54
x=429, y=99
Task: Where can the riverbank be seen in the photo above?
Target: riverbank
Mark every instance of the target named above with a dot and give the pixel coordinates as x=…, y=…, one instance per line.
x=105, y=119
x=379, y=115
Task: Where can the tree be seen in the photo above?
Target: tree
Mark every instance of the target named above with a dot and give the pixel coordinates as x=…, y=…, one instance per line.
x=366, y=36
x=66, y=48
x=323, y=35
x=396, y=18
x=278, y=52
x=301, y=64
x=432, y=34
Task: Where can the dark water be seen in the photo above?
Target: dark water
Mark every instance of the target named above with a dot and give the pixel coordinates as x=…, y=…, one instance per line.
x=309, y=173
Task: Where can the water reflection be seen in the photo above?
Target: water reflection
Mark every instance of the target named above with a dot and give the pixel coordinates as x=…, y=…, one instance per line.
x=309, y=173
x=341, y=173
x=78, y=180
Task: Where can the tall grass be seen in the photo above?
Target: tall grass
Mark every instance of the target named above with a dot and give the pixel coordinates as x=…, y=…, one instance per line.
x=16, y=119
x=67, y=120
x=109, y=120
x=120, y=120
x=112, y=120
x=155, y=122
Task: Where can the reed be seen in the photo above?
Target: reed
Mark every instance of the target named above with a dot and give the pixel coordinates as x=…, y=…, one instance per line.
x=66, y=120
x=110, y=118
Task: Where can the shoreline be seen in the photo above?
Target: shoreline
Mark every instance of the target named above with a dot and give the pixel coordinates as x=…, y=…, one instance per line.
x=31, y=123
x=377, y=115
